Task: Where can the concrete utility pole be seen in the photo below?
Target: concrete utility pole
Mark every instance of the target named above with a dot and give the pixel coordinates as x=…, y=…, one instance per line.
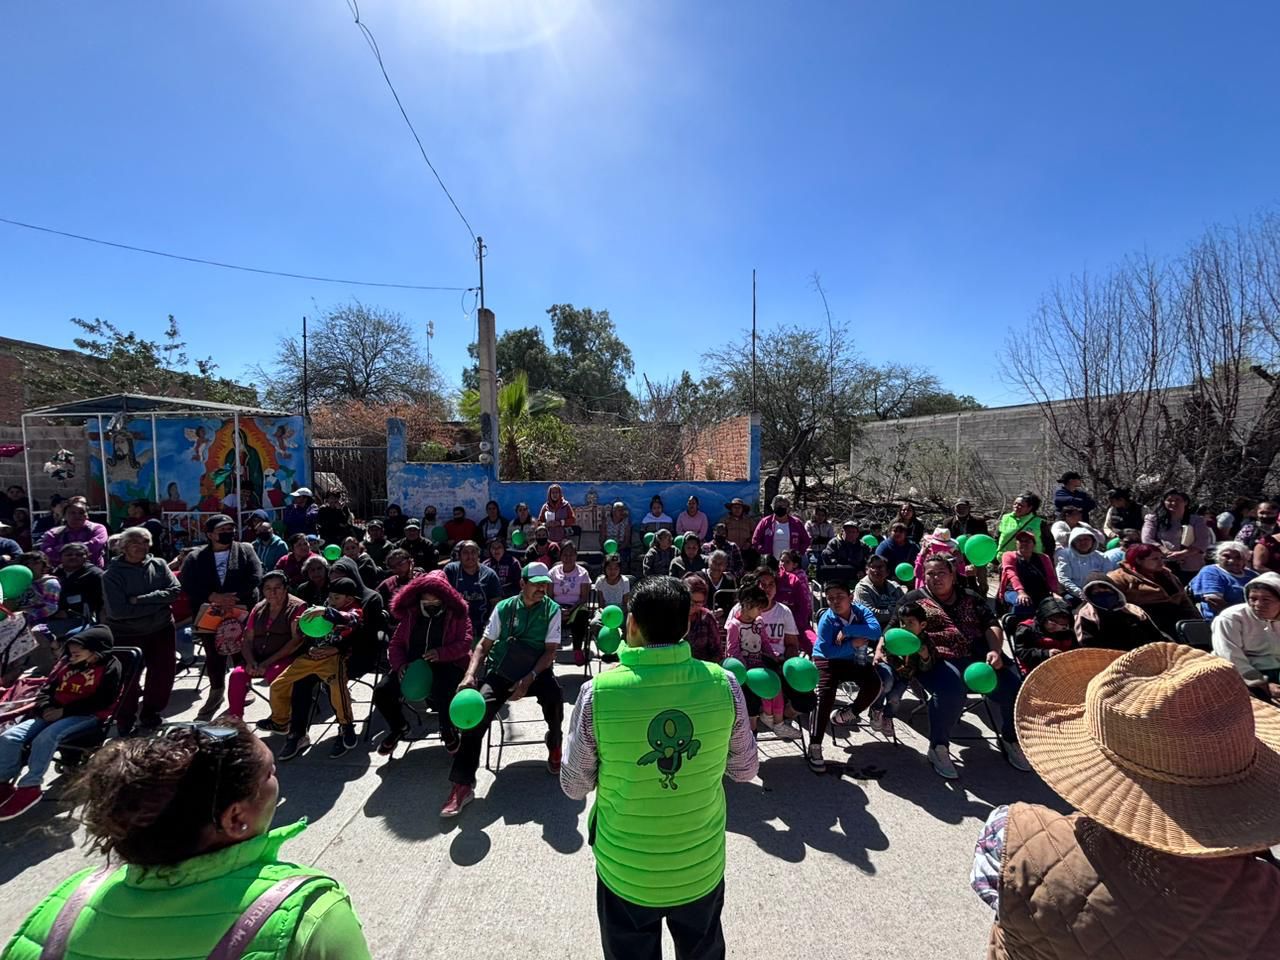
x=488, y=377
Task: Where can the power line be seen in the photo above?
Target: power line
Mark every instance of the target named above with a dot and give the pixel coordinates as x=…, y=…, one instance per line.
x=219, y=263
x=354, y=7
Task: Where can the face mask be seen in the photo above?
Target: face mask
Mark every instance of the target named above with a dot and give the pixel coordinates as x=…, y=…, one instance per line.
x=779, y=511
x=264, y=537
x=224, y=538
x=1105, y=600
x=430, y=609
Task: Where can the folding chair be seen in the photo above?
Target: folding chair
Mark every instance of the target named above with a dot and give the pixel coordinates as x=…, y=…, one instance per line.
x=501, y=720
x=75, y=750
x=1195, y=633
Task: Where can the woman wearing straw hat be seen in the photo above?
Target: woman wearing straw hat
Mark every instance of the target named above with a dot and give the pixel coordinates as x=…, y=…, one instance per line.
x=1173, y=769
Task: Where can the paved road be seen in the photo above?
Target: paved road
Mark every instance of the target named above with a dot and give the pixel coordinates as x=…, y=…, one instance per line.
x=818, y=866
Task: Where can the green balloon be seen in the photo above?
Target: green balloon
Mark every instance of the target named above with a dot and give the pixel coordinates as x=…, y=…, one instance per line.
x=332, y=552
x=901, y=643
x=610, y=547
x=905, y=572
x=870, y=540
x=737, y=668
x=801, y=674
x=979, y=677
x=648, y=539
x=961, y=541
x=315, y=626
x=439, y=535
x=416, y=682
x=467, y=709
x=680, y=542
x=1113, y=543
x=980, y=550
x=763, y=683
x=517, y=538
x=14, y=580
x=608, y=639
x=611, y=616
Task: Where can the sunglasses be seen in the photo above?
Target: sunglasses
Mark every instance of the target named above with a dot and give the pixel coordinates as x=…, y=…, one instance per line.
x=218, y=737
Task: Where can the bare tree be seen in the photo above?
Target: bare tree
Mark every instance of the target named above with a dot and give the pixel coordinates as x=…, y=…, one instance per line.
x=1158, y=374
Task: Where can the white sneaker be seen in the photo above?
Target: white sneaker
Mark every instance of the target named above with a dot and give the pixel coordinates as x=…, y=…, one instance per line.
x=940, y=759
x=844, y=717
x=1013, y=753
x=787, y=730
x=765, y=721
x=816, y=762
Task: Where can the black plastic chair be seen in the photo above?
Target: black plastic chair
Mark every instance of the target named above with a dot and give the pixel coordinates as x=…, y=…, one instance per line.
x=1195, y=633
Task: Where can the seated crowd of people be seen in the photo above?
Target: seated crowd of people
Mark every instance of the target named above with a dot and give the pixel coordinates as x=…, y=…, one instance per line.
x=326, y=601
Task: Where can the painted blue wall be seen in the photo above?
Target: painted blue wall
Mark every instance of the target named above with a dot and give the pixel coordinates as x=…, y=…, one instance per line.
x=471, y=485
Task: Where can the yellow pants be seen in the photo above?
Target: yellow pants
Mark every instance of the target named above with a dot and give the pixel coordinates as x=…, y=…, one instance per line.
x=332, y=672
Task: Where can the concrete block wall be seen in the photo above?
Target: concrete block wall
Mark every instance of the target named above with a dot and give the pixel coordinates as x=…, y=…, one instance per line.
x=472, y=485
x=44, y=441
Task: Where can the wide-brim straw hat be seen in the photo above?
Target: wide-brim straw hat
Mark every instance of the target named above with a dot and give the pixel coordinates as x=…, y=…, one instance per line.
x=1162, y=744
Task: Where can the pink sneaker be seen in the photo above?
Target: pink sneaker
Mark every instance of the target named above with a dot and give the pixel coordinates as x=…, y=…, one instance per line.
x=459, y=797
x=19, y=802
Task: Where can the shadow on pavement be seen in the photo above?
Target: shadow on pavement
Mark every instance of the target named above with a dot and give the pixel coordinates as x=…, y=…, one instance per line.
x=311, y=784
x=811, y=808
x=40, y=833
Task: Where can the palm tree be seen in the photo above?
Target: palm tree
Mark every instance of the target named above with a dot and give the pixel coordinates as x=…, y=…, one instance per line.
x=518, y=407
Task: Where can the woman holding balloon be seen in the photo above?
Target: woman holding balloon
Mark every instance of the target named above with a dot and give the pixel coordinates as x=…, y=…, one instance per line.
x=968, y=641
x=433, y=627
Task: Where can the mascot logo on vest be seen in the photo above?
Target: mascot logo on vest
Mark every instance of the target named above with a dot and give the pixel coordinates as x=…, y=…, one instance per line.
x=671, y=736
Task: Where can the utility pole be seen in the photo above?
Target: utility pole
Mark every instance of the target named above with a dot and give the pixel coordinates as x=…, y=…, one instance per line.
x=753, y=340
x=487, y=371
x=305, y=411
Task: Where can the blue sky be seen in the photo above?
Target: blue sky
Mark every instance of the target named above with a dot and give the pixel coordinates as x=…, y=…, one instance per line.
x=940, y=164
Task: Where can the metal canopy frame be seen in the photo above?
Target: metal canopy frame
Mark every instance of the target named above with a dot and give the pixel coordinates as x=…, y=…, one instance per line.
x=137, y=406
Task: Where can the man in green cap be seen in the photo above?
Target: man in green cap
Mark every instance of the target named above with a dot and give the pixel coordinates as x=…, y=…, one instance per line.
x=654, y=738
x=514, y=658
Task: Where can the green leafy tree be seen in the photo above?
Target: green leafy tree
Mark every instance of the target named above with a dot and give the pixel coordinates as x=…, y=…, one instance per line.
x=588, y=363
x=123, y=361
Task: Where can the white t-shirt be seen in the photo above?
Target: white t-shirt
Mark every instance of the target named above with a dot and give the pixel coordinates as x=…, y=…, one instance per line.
x=767, y=632
x=612, y=594
x=660, y=518
x=781, y=538
x=566, y=585
x=220, y=560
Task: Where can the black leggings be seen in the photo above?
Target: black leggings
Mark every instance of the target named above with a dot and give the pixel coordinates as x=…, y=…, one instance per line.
x=445, y=678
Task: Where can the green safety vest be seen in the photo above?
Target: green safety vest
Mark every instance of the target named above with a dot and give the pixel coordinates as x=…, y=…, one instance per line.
x=1009, y=525
x=163, y=913
x=662, y=722
x=525, y=625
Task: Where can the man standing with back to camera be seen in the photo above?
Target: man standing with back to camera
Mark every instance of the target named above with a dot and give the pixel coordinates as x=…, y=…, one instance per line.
x=654, y=738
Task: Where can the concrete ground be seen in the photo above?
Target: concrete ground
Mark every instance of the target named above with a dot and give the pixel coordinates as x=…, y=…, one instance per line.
x=818, y=866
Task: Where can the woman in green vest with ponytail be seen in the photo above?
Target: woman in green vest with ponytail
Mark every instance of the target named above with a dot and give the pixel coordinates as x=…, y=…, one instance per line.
x=654, y=737
x=188, y=812
x=1023, y=516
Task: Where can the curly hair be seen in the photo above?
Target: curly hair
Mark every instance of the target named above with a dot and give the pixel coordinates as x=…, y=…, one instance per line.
x=150, y=800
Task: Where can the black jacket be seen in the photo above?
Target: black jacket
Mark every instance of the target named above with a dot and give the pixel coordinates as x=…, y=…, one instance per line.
x=422, y=550
x=199, y=576
x=81, y=591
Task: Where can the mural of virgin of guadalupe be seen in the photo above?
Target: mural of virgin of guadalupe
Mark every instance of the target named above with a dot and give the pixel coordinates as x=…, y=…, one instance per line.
x=250, y=474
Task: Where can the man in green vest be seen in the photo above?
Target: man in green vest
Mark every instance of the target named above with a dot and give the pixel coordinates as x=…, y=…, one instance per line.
x=514, y=658
x=654, y=737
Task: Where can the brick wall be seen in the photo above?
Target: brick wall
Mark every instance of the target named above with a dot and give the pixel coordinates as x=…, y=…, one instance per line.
x=721, y=451
x=43, y=441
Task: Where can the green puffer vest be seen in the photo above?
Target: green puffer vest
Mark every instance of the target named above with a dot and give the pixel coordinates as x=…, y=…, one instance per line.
x=527, y=625
x=178, y=912
x=662, y=722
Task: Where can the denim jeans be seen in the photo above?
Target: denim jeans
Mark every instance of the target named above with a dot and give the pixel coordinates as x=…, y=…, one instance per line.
x=948, y=696
x=892, y=687
x=44, y=738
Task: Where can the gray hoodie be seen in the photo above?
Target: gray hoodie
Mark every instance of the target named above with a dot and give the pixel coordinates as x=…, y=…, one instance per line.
x=151, y=586
x=1249, y=642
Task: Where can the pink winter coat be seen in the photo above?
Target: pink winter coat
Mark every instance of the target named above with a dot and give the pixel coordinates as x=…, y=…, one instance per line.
x=457, y=627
